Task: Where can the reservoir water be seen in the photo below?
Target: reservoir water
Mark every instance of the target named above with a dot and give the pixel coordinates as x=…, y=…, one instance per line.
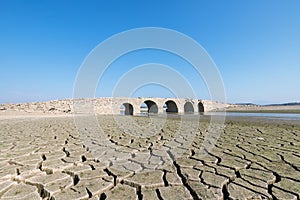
x=282, y=116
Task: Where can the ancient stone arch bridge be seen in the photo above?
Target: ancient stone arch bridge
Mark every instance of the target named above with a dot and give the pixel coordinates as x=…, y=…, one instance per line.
x=135, y=106
x=116, y=106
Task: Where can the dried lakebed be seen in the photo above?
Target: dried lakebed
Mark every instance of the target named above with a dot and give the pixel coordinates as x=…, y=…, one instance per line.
x=148, y=158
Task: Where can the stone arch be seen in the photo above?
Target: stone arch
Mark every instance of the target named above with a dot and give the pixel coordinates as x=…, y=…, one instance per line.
x=188, y=107
x=171, y=106
x=128, y=108
x=200, y=107
x=152, y=106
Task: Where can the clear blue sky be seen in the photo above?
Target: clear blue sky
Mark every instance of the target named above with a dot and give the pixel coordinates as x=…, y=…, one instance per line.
x=254, y=43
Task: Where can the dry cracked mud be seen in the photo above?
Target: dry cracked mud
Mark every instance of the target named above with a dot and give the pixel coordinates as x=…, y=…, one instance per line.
x=47, y=158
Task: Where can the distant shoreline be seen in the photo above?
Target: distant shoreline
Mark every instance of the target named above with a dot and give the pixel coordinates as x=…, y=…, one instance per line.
x=264, y=109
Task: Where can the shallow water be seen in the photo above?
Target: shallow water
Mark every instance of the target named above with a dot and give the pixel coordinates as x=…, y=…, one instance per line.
x=281, y=116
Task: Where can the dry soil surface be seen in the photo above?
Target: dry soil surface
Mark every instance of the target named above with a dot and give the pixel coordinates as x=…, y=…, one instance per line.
x=49, y=157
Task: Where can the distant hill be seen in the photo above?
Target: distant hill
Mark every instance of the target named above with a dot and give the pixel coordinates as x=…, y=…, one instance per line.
x=276, y=104
x=246, y=104
x=285, y=104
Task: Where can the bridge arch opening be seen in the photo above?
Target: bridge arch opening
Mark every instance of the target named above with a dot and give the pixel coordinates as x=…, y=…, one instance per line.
x=200, y=107
x=151, y=106
x=127, y=109
x=188, y=107
x=171, y=107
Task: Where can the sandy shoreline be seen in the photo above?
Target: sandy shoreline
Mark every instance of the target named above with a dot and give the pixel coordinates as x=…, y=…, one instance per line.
x=147, y=157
